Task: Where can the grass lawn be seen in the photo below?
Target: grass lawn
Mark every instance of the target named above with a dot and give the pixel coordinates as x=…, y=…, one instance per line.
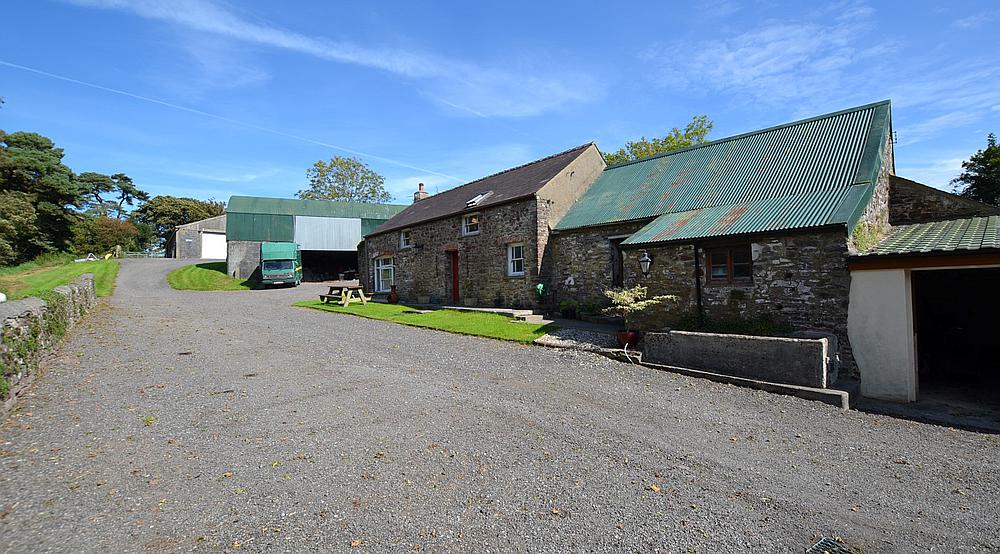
x=38, y=278
x=206, y=276
x=481, y=324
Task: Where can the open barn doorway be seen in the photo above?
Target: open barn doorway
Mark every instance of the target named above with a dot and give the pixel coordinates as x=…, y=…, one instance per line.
x=328, y=265
x=956, y=313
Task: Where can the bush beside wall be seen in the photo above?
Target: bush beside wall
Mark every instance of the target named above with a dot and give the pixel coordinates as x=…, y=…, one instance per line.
x=30, y=326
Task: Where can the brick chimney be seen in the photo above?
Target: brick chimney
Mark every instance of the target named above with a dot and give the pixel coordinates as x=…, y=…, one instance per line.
x=420, y=194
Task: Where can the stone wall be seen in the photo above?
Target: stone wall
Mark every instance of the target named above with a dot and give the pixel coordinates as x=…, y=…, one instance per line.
x=423, y=272
x=581, y=262
x=243, y=259
x=874, y=223
x=30, y=326
x=911, y=202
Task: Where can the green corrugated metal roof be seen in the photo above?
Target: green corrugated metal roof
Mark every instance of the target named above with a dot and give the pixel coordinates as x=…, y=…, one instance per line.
x=812, y=172
x=317, y=208
x=974, y=233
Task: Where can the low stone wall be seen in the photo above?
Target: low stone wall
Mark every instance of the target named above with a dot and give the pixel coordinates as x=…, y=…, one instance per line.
x=781, y=360
x=30, y=326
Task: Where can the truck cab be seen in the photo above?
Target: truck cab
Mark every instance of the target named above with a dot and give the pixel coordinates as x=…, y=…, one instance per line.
x=280, y=263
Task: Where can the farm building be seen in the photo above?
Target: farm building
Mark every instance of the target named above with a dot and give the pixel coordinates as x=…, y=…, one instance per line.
x=328, y=233
x=204, y=239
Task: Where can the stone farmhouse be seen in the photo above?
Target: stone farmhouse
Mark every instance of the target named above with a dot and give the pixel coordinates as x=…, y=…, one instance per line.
x=483, y=243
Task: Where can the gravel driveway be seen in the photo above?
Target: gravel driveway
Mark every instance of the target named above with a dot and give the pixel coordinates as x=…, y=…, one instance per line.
x=175, y=421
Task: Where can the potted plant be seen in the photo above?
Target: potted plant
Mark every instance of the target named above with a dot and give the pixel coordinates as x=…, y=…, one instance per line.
x=627, y=302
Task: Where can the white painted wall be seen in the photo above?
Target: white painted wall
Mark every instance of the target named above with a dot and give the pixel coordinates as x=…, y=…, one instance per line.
x=880, y=326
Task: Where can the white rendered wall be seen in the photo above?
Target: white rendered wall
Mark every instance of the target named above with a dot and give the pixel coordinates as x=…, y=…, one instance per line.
x=880, y=326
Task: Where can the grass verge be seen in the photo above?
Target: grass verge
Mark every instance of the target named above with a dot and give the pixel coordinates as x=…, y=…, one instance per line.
x=480, y=324
x=41, y=276
x=205, y=276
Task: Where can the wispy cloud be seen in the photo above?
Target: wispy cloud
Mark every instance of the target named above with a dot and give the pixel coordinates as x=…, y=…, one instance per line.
x=929, y=128
x=224, y=177
x=936, y=173
x=467, y=86
x=974, y=20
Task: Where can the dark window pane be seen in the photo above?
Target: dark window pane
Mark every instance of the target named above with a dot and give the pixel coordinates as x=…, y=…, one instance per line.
x=742, y=271
x=741, y=255
x=720, y=258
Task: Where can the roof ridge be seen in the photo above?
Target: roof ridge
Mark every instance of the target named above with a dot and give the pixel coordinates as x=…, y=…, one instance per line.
x=515, y=168
x=355, y=202
x=751, y=133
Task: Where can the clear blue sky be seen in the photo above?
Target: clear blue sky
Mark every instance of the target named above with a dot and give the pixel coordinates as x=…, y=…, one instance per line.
x=219, y=98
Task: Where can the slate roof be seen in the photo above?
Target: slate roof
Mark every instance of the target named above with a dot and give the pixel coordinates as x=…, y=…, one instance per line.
x=814, y=172
x=951, y=236
x=508, y=185
x=317, y=208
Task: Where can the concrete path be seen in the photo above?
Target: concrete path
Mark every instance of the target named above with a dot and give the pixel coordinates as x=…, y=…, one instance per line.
x=177, y=421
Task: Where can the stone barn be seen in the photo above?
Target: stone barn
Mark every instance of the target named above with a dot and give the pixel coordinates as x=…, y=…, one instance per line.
x=328, y=233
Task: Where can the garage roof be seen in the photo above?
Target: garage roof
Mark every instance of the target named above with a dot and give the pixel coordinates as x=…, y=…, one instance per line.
x=316, y=208
x=813, y=172
x=951, y=236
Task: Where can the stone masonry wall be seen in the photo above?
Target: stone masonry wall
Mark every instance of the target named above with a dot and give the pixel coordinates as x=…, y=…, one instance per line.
x=584, y=256
x=874, y=223
x=30, y=326
x=912, y=202
x=423, y=272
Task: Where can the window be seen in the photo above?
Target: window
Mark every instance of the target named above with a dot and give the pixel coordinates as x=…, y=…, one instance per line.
x=515, y=260
x=385, y=273
x=470, y=224
x=729, y=265
x=405, y=239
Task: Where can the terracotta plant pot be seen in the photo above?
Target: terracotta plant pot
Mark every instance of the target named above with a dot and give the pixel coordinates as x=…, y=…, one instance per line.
x=630, y=338
x=393, y=295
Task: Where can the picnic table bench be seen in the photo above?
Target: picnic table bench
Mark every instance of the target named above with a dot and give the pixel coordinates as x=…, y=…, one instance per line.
x=344, y=293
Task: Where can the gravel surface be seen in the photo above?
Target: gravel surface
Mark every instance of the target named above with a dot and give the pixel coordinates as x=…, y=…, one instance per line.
x=175, y=421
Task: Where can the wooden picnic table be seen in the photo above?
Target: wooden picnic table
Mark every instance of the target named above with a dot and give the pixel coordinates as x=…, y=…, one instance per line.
x=344, y=293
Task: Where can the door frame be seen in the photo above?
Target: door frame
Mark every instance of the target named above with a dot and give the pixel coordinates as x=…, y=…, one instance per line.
x=453, y=256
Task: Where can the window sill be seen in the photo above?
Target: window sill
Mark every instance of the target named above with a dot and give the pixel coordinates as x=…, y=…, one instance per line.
x=476, y=234
x=516, y=276
x=410, y=247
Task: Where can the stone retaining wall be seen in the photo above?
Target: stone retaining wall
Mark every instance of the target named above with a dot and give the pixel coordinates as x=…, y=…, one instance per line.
x=30, y=326
x=792, y=361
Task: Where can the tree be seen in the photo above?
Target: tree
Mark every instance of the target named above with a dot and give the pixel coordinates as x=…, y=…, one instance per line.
x=980, y=178
x=165, y=213
x=694, y=133
x=101, y=234
x=31, y=164
x=347, y=179
x=109, y=195
x=20, y=237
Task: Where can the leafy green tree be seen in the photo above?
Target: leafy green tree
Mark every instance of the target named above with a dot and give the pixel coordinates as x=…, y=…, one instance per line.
x=101, y=234
x=980, y=178
x=165, y=213
x=694, y=133
x=31, y=164
x=20, y=237
x=109, y=195
x=347, y=179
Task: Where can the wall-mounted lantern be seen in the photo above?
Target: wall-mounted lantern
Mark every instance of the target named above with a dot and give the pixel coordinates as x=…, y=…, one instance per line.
x=644, y=262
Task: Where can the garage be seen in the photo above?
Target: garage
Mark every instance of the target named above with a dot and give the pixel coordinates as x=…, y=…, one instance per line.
x=213, y=245
x=923, y=314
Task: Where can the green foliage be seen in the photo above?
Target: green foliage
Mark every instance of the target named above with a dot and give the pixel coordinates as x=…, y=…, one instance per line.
x=31, y=164
x=765, y=326
x=344, y=178
x=694, y=133
x=206, y=276
x=108, y=195
x=37, y=280
x=480, y=324
x=4, y=387
x=866, y=236
x=626, y=303
x=980, y=178
x=101, y=234
x=165, y=213
x=19, y=231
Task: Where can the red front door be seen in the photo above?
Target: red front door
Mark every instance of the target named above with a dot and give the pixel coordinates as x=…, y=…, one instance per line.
x=454, y=276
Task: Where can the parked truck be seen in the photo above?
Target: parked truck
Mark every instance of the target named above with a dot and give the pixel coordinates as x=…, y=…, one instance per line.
x=280, y=263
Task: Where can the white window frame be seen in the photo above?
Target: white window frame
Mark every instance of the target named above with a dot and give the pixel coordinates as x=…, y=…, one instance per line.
x=405, y=239
x=466, y=221
x=511, y=272
x=382, y=264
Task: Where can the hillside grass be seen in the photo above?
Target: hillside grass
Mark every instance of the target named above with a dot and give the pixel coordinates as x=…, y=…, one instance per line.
x=206, y=276
x=480, y=324
x=38, y=277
